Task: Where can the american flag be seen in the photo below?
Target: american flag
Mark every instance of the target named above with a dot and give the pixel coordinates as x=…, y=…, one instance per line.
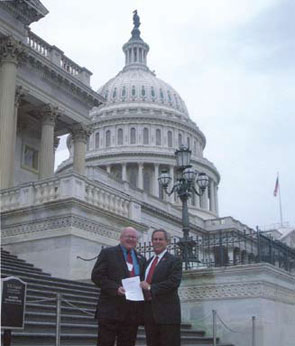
x=275, y=191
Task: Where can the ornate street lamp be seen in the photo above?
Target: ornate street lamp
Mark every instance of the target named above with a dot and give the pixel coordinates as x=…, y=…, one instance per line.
x=185, y=187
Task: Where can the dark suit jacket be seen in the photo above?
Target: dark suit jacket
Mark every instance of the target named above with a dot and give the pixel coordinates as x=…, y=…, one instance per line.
x=108, y=271
x=164, y=289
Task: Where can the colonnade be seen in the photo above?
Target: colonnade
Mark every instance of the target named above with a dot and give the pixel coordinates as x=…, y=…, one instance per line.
x=12, y=53
x=207, y=201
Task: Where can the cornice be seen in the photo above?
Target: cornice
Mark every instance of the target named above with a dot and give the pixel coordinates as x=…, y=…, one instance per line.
x=26, y=12
x=61, y=78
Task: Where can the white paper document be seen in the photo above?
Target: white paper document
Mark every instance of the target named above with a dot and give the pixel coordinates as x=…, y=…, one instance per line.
x=132, y=288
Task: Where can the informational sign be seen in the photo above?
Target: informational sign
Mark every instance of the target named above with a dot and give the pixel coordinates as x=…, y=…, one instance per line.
x=13, y=303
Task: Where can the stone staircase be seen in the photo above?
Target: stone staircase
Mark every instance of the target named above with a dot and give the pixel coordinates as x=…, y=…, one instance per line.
x=78, y=326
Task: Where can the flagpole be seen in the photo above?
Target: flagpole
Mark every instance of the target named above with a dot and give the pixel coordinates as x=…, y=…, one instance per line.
x=280, y=202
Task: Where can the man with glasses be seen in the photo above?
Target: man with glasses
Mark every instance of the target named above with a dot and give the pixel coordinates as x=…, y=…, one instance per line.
x=118, y=318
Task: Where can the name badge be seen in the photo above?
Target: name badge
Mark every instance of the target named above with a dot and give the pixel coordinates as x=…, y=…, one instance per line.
x=130, y=266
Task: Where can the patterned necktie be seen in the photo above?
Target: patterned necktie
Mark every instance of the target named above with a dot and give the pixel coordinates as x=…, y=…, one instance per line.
x=130, y=261
x=151, y=271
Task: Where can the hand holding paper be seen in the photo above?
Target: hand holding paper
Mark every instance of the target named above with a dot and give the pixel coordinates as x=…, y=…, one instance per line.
x=132, y=288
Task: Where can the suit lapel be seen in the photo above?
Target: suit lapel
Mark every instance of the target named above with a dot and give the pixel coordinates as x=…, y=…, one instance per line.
x=122, y=260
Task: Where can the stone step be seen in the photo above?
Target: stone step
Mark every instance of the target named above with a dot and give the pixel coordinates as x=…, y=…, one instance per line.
x=35, y=277
x=78, y=326
x=25, y=270
x=48, y=285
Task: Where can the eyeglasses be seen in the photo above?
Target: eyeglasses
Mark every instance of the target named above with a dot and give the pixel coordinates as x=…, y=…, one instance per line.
x=130, y=237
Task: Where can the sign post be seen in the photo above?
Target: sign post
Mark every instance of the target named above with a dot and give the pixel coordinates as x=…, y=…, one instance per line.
x=13, y=292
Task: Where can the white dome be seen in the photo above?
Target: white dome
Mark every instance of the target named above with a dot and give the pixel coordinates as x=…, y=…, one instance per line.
x=141, y=86
x=136, y=84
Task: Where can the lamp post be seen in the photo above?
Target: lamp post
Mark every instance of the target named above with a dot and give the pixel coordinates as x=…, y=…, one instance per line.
x=184, y=187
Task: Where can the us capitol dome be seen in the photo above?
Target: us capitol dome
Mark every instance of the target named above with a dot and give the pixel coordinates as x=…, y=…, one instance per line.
x=136, y=131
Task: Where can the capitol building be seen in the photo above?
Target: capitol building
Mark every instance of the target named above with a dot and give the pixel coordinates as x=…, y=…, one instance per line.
x=120, y=139
x=136, y=130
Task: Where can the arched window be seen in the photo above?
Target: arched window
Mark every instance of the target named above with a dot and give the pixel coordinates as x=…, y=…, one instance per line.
x=97, y=140
x=161, y=95
x=145, y=135
x=188, y=141
x=133, y=91
x=120, y=137
x=170, y=139
x=146, y=182
x=143, y=91
x=179, y=139
x=158, y=137
x=153, y=92
x=132, y=135
x=108, y=138
x=123, y=92
x=115, y=93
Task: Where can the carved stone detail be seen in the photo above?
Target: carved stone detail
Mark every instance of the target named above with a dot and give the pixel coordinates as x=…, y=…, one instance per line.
x=49, y=114
x=238, y=290
x=80, y=133
x=96, y=228
x=20, y=93
x=12, y=50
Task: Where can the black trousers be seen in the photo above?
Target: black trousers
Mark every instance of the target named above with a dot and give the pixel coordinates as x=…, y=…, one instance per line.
x=111, y=331
x=160, y=334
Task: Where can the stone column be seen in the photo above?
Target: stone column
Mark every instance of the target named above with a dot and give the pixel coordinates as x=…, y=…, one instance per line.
x=156, y=176
x=124, y=171
x=46, y=160
x=204, y=200
x=80, y=134
x=140, y=176
x=19, y=95
x=216, y=199
x=11, y=53
x=212, y=196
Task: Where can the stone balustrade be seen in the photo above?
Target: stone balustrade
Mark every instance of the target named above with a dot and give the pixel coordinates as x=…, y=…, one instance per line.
x=57, y=56
x=64, y=187
x=226, y=222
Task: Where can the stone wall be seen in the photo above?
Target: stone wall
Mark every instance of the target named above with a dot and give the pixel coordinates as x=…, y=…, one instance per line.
x=237, y=293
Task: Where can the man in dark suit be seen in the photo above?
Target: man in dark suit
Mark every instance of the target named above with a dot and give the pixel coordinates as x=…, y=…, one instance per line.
x=163, y=273
x=118, y=318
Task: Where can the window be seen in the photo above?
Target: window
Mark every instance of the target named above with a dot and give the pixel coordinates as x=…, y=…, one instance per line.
x=158, y=137
x=97, y=140
x=179, y=139
x=120, y=137
x=108, y=138
x=132, y=135
x=146, y=182
x=170, y=139
x=142, y=91
x=30, y=158
x=133, y=92
x=188, y=141
x=115, y=93
x=123, y=92
x=145, y=136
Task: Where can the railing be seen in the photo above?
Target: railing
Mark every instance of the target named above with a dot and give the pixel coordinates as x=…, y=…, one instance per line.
x=229, y=248
x=56, y=56
x=63, y=187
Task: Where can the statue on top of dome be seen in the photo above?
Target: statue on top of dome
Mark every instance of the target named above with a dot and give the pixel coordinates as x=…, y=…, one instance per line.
x=136, y=19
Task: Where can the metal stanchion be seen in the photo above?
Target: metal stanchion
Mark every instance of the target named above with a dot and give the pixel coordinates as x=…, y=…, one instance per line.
x=214, y=327
x=58, y=319
x=253, y=331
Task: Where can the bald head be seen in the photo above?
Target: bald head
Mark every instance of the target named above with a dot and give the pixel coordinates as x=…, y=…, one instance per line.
x=128, y=238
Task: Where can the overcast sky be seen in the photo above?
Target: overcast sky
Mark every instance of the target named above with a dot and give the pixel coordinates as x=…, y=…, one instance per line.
x=232, y=62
